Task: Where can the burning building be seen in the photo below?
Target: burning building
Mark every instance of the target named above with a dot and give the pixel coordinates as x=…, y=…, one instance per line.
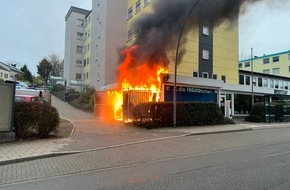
x=207, y=63
x=208, y=51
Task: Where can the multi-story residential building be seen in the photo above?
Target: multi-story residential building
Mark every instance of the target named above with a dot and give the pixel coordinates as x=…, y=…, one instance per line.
x=275, y=64
x=92, y=39
x=209, y=61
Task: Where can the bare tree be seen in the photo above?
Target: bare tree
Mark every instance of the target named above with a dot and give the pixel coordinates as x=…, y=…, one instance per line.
x=57, y=65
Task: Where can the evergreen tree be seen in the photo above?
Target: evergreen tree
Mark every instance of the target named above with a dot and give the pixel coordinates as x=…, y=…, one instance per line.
x=27, y=76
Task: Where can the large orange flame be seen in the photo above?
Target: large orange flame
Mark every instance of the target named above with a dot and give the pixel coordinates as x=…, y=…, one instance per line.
x=133, y=76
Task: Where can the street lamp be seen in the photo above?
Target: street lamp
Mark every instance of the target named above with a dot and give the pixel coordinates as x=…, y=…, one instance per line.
x=176, y=62
x=252, y=73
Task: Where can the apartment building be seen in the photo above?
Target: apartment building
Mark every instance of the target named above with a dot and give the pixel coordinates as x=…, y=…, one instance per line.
x=92, y=40
x=208, y=62
x=275, y=64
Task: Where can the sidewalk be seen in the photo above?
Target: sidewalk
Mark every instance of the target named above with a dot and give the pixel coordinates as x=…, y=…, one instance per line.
x=92, y=134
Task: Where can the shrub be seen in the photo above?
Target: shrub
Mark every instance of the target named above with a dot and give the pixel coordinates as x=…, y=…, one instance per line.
x=35, y=119
x=24, y=119
x=257, y=113
x=153, y=115
x=83, y=101
x=48, y=120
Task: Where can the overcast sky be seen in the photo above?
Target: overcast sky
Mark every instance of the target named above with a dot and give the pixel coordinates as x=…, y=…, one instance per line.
x=32, y=29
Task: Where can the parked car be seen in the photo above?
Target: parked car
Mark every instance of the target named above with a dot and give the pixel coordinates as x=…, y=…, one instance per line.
x=28, y=98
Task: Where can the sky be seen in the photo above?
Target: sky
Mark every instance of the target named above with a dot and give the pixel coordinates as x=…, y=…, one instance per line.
x=33, y=29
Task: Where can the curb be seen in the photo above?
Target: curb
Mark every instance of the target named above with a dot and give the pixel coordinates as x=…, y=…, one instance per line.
x=55, y=154
x=18, y=160
x=217, y=132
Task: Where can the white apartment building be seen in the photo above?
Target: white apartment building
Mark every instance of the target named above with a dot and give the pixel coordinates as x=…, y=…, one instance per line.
x=92, y=40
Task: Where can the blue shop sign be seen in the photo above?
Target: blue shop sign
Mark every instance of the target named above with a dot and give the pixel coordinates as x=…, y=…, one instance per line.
x=189, y=94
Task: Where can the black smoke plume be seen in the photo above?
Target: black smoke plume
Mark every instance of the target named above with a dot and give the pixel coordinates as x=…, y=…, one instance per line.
x=161, y=28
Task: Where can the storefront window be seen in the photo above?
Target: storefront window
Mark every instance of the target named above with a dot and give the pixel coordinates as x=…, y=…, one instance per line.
x=243, y=103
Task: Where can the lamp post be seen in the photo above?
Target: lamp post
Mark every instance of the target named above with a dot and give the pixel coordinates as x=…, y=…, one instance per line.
x=176, y=62
x=252, y=73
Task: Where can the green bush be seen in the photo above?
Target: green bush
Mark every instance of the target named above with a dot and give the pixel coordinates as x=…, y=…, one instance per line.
x=257, y=113
x=48, y=120
x=80, y=100
x=34, y=119
x=83, y=101
x=24, y=119
x=154, y=115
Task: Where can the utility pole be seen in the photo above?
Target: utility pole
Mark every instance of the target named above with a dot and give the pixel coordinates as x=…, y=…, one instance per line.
x=252, y=72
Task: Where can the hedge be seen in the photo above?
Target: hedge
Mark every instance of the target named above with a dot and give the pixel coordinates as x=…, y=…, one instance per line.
x=32, y=119
x=154, y=115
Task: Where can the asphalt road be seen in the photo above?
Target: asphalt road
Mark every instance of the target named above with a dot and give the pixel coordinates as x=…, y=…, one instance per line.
x=258, y=159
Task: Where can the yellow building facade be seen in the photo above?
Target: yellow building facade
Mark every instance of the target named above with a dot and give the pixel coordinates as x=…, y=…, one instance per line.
x=217, y=61
x=274, y=64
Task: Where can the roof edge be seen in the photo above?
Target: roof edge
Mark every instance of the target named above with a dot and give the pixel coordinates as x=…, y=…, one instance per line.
x=77, y=10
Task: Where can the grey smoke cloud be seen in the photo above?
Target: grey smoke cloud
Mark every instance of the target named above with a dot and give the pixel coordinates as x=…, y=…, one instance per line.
x=161, y=28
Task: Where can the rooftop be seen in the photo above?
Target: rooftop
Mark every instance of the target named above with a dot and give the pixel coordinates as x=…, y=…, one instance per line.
x=266, y=56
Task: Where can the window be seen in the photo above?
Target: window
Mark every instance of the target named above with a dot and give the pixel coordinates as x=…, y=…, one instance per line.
x=146, y=2
x=80, y=36
x=248, y=80
x=266, y=60
x=130, y=34
x=289, y=56
x=79, y=49
x=78, y=76
x=205, y=54
x=266, y=71
x=88, y=61
x=276, y=59
x=289, y=69
x=80, y=22
x=254, y=81
x=281, y=84
x=240, y=65
x=265, y=82
x=247, y=64
x=85, y=62
x=205, y=30
x=137, y=32
x=276, y=71
x=214, y=76
x=224, y=79
x=79, y=63
x=242, y=79
x=138, y=6
x=271, y=83
x=205, y=75
x=195, y=74
x=130, y=12
x=285, y=85
x=87, y=75
x=276, y=84
x=88, y=47
x=260, y=82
